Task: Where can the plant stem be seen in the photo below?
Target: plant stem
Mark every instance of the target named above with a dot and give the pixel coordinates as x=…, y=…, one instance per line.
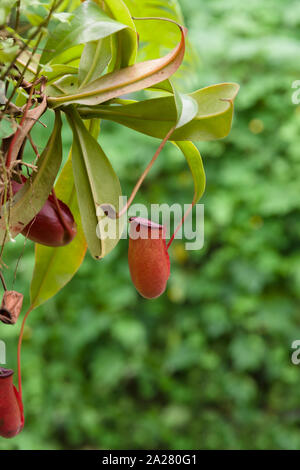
x=35, y=149
x=34, y=34
x=18, y=15
x=20, y=79
x=3, y=281
x=145, y=173
x=11, y=145
x=19, y=349
x=180, y=224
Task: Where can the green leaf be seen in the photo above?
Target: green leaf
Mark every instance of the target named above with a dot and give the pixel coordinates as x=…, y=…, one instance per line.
x=93, y=126
x=186, y=108
x=34, y=19
x=70, y=57
x=30, y=199
x=22, y=63
x=58, y=71
x=96, y=185
x=127, y=80
x=8, y=50
x=66, y=84
x=63, y=17
x=89, y=23
x=5, y=9
x=193, y=157
x=7, y=127
x=126, y=41
x=155, y=117
x=55, y=267
x=95, y=58
x=166, y=86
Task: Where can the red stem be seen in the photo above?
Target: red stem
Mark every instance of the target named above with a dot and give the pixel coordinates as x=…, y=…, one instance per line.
x=33, y=145
x=180, y=224
x=19, y=350
x=11, y=145
x=3, y=281
x=145, y=173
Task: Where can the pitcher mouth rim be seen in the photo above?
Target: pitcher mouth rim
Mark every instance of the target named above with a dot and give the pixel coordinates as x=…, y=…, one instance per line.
x=145, y=222
x=5, y=372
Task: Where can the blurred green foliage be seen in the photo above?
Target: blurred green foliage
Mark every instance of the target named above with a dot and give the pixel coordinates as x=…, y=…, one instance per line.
x=207, y=365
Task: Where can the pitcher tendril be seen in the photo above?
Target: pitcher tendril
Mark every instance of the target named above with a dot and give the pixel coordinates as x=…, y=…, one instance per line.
x=145, y=173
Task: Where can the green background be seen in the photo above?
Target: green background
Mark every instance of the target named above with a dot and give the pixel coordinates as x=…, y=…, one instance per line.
x=207, y=365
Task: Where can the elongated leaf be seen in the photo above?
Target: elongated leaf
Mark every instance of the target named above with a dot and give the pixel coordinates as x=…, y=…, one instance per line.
x=156, y=116
x=166, y=85
x=127, y=80
x=31, y=69
x=59, y=70
x=154, y=45
x=186, y=108
x=31, y=117
x=126, y=40
x=89, y=23
x=96, y=185
x=95, y=58
x=70, y=57
x=5, y=9
x=93, y=126
x=193, y=157
x=7, y=127
x=31, y=198
x=55, y=267
x=65, y=84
